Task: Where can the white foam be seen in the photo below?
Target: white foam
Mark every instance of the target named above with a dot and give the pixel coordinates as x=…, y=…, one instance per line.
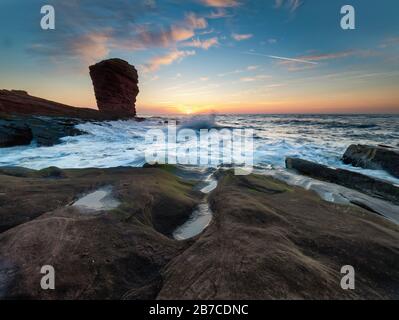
x=321, y=139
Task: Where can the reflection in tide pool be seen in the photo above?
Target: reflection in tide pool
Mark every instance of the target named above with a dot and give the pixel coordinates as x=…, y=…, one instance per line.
x=98, y=200
x=199, y=220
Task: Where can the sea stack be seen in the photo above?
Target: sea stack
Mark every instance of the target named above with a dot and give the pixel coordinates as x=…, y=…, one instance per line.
x=115, y=84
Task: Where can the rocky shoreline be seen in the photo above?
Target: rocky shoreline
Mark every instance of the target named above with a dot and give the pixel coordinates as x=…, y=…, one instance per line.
x=267, y=240
x=368, y=185
x=111, y=233
x=25, y=118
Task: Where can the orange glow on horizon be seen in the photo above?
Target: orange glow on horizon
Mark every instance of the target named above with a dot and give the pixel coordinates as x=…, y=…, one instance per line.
x=377, y=101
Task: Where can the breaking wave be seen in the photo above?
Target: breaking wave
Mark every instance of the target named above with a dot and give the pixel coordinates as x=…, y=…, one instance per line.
x=122, y=143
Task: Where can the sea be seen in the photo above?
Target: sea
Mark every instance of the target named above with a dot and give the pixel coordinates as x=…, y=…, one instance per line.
x=319, y=138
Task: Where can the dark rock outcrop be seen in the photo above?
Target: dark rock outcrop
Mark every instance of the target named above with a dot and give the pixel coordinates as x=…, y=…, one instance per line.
x=49, y=131
x=18, y=102
x=115, y=84
x=14, y=133
x=368, y=185
x=45, y=131
x=373, y=157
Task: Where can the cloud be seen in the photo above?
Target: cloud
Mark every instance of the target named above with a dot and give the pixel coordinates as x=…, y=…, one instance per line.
x=281, y=58
x=220, y=3
x=172, y=56
x=296, y=60
x=291, y=5
x=92, y=29
x=255, y=78
x=91, y=47
x=203, y=44
x=219, y=13
x=204, y=78
x=308, y=62
x=230, y=73
x=145, y=37
x=329, y=56
x=252, y=68
x=390, y=42
x=241, y=37
x=196, y=22
x=87, y=30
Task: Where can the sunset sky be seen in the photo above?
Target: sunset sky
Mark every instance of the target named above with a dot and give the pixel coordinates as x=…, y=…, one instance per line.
x=238, y=56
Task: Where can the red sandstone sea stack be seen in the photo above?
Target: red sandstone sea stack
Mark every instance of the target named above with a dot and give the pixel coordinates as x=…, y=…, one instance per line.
x=115, y=84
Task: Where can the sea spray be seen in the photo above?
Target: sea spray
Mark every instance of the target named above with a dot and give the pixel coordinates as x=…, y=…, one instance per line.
x=206, y=147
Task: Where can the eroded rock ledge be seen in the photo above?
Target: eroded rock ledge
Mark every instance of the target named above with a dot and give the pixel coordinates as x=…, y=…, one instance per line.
x=369, y=185
x=267, y=240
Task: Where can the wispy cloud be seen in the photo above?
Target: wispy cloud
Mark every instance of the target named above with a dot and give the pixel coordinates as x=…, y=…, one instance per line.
x=167, y=59
x=221, y=3
x=145, y=37
x=91, y=47
x=203, y=44
x=219, y=13
x=238, y=71
x=241, y=37
x=255, y=78
x=252, y=68
x=91, y=25
x=329, y=56
x=281, y=58
x=306, y=62
x=389, y=42
x=92, y=29
x=230, y=73
x=291, y=5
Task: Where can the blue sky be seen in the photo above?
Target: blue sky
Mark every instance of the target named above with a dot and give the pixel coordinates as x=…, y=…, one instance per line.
x=238, y=56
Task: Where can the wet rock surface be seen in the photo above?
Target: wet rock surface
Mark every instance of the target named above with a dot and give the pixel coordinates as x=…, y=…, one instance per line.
x=113, y=255
x=272, y=241
x=372, y=186
x=14, y=133
x=45, y=131
x=373, y=157
x=267, y=240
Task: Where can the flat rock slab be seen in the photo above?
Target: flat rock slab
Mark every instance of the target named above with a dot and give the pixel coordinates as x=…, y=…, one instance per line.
x=373, y=157
x=368, y=185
